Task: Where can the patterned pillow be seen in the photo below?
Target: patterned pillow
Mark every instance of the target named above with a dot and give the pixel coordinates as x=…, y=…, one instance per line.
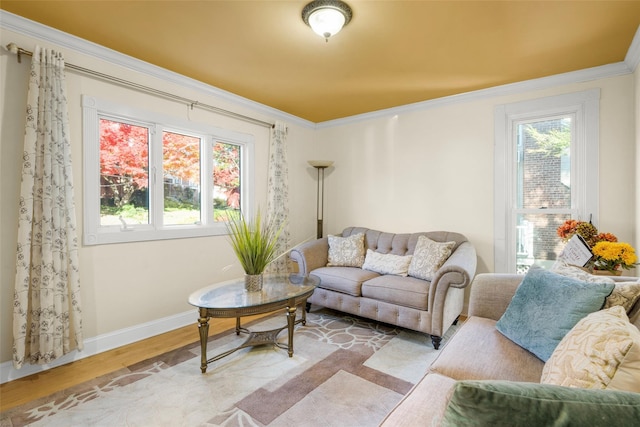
x=568, y=270
x=346, y=251
x=602, y=351
x=428, y=257
x=387, y=263
x=625, y=293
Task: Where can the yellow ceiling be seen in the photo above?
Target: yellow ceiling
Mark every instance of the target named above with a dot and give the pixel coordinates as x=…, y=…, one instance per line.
x=392, y=53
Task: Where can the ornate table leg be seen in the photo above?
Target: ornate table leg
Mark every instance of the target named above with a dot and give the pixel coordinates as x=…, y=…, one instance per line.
x=304, y=315
x=203, y=328
x=291, y=321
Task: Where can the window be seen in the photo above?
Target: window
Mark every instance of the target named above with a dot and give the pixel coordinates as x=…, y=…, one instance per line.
x=546, y=160
x=149, y=177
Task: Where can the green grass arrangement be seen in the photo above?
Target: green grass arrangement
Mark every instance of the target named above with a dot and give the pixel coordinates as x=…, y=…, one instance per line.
x=253, y=241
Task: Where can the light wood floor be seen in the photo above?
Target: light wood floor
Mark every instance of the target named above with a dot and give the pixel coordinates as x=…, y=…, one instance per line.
x=29, y=388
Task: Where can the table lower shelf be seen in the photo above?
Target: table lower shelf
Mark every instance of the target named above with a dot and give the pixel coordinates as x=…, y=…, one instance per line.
x=257, y=338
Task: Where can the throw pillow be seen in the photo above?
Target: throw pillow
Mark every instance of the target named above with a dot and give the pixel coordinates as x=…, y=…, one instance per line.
x=499, y=403
x=602, y=351
x=346, y=251
x=428, y=257
x=546, y=306
x=386, y=263
x=577, y=273
x=625, y=293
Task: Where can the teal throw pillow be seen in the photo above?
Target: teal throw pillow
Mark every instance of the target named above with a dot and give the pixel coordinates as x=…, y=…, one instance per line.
x=507, y=403
x=546, y=306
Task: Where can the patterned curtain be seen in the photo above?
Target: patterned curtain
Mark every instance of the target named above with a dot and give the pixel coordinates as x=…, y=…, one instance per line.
x=47, y=308
x=278, y=195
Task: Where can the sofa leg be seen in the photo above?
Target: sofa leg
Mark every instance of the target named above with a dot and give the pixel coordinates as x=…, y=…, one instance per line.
x=308, y=307
x=436, y=341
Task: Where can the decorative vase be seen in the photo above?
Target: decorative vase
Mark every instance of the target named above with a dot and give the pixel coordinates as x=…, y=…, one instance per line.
x=253, y=282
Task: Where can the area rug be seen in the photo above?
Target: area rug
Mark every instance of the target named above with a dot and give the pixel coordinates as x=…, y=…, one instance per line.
x=345, y=371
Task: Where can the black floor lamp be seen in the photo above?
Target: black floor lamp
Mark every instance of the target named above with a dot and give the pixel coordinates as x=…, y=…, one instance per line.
x=320, y=165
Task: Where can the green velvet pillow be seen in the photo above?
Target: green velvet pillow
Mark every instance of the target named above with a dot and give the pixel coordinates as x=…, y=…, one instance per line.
x=546, y=306
x=501, y=403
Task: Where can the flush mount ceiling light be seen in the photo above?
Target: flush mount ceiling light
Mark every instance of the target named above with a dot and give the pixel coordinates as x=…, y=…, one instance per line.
x=326, y=17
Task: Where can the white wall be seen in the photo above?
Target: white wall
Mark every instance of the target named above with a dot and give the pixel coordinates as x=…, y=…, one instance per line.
x=127, y=285
x=432, y=169
x=636, y=183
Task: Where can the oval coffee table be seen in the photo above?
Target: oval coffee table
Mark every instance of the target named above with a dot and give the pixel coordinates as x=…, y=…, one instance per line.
x=230, y=299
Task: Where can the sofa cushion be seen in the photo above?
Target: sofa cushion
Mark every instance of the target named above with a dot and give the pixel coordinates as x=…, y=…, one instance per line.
x=386, y=263
x=428, y=257
x=546, y=306
x=602, y=351
x=346, y=251
x=347, y=280
x=405, y=291
x=491, y=403
x=424, y=404
x=479, y=352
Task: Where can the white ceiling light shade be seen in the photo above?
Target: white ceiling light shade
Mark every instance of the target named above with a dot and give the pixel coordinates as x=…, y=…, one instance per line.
x=326, y=17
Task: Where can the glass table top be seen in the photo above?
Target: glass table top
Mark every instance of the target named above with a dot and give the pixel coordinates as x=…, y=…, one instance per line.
x=232, y=294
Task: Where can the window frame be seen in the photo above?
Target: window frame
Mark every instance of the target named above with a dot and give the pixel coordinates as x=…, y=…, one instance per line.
x=585, y=107
x=93, y=109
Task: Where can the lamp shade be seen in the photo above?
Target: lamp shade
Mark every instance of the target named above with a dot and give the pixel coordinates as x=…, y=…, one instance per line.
x=326, y=17
x=320, y=163
x=326, y=22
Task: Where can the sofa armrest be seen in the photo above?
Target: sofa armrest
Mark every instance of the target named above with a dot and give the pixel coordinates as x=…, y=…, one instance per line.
x=462, y=263
x=491, y=293
x=311, y=255
x=446, y=297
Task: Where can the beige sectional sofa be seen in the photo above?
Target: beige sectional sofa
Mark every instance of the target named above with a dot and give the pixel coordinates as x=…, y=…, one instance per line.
x=478, y=351
x=400, y=299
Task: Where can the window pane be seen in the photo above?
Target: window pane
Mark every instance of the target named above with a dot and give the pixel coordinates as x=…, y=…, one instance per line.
x=544, y=165
x=124, y=173
x=537, y=241
x=181, y=177
x=226, y=179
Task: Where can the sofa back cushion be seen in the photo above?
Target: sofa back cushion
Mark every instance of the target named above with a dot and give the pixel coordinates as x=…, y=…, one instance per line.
x=401, y=243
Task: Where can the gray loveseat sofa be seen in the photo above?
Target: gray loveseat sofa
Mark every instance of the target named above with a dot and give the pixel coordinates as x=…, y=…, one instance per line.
x=428, y=306
x=478, y=352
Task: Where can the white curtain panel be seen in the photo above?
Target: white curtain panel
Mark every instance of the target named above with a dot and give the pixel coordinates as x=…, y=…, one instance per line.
x=47, y=309
x=278, y=195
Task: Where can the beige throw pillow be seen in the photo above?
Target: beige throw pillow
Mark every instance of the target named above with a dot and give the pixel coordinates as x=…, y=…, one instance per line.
x=602, y=351
x=346, y=251
x=561, y=267
x=387, y=263
x=428, y=257
x=625, y=294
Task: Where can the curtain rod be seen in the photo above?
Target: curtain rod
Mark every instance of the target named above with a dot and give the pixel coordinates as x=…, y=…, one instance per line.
x=13, y=48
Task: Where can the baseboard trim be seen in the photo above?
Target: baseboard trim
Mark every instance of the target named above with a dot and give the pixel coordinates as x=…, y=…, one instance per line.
x=102, y=343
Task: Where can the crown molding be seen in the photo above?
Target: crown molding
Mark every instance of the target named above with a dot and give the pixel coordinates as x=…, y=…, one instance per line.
x=633, y=54
x=20, y=25
x=589, y=74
